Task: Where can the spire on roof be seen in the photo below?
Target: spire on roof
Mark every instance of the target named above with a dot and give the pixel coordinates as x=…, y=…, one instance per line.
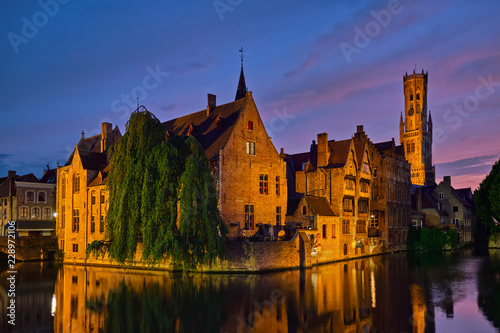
x=401, y=120
x=242, y=87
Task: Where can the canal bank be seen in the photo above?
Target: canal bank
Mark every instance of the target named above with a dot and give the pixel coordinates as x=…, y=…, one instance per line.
x=302, y=251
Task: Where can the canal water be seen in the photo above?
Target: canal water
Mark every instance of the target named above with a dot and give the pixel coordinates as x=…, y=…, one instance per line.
x=428, y=292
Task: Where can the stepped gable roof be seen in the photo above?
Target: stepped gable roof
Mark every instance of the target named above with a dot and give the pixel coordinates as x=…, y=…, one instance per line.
x=359, y=150
x=295, y=161
x=49, y=177
x=319, y=205
x=205, y=129
x=339, y=152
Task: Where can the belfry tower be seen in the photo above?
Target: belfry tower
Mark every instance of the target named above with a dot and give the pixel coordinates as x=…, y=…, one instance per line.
x=415, y=129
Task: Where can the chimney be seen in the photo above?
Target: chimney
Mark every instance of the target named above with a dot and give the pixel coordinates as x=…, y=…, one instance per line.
x=360, y=129
x=447, y=180
x=323, y=151
x=12, y=182
x=211, y=103
x=106, y=139
x=282, y=153
x=418, y=199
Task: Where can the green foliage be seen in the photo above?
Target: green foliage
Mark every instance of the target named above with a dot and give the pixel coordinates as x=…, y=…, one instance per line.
x=201, y=225
x=487, y=197
x=430, y=239
x=148, y=177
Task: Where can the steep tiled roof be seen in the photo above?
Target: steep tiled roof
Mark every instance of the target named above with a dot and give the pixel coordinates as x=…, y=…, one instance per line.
x=319, y=205
x=339, y=152
x=93, y=161
x=384, y=146
x=93, y=144
x=101, y=177
x=50, y=176
x=211, y=131
x=27, y=178
x=295, y=161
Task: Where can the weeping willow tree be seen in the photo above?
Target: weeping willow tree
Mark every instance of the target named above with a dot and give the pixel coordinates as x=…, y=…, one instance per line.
x=149, y=179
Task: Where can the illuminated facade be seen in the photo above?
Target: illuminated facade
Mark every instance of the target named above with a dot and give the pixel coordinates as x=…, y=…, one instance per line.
x=416, y=129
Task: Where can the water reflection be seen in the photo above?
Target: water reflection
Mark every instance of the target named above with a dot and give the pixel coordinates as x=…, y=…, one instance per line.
x=398, y=293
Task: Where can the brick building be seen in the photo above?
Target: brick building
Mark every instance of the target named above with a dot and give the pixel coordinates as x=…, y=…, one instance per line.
x=250, y=174
x=82, y=195
x=341, y=174
x=391, y=195
x=30, y=202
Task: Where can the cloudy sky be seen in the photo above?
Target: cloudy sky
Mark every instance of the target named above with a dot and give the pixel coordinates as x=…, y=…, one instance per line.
x=313, y=66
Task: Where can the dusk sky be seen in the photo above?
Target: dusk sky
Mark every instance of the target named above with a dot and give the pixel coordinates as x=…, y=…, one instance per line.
x=313, y=66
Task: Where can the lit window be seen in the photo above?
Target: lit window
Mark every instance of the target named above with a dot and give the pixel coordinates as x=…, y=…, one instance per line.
x=250, y=148
x=76, y=183
x=35, y=213
x=263, y=184
x=47, y=213
x=76, y=220
x=24, y=212
x=249, y=217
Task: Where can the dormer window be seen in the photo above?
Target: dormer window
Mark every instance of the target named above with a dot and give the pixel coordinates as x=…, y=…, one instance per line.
x=250, y=125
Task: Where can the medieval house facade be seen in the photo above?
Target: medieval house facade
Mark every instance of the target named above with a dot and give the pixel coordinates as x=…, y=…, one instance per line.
x=82, y=197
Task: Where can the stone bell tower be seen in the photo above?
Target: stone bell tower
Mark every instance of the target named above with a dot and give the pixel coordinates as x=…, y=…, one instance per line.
x=415, y=129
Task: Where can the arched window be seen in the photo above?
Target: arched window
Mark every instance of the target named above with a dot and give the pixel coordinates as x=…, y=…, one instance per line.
x=411, y=97
x=304, y=210
x=30, y=196
x=47, y=213
x=41, y=196
x=23, y=212
x=35, y=213
x=418, y=96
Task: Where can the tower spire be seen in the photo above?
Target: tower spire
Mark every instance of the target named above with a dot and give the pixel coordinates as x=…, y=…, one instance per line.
x=242, y=87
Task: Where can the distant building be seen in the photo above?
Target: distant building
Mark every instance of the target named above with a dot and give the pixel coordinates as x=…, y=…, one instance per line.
x=416, y=129
x=441, y=206
x=82, y=196
x=30, y=202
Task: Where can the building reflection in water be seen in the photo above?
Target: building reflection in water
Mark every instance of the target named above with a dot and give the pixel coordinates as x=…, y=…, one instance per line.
x=335, y=298
x=394, y=293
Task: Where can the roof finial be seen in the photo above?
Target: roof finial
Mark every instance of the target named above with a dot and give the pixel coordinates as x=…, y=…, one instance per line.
x=137, y=102
x=83, y=134
x=242, y=56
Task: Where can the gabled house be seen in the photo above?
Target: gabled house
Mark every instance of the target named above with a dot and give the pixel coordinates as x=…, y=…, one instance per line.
x=250, y=174
x=82, y=194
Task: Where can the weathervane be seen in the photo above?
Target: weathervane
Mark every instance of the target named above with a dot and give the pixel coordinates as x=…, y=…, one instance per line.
x=241, y=56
